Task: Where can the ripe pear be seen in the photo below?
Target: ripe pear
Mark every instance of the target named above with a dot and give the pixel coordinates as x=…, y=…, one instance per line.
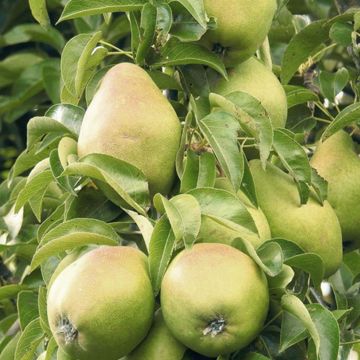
x=242, y=26
x=214, y=299
x=314, y=227
x=337, y=161
x=159, y=344
x=130, y=119
x=256, y=79
x=213, y=232
x=101, y=306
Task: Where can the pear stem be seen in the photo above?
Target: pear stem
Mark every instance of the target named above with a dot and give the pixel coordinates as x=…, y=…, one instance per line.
x=118, y=50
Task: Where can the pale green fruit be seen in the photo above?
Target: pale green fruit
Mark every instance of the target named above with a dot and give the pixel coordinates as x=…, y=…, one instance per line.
x=214, y=299
x=62, y=355
x=159, y=344
x=242, y=26
x=101, y=306
x=256, y=79
x=314, y=227
x=213, y=232
x=130, y=119
x=337, y=162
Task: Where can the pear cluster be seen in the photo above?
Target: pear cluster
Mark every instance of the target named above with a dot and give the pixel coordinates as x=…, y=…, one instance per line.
x=214, y=299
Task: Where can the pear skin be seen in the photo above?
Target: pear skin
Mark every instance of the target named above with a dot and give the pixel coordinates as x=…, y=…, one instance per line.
x=337, y=162
x=159, y=344
x=242, y=26
x=214, y=299
x=256, y=79
x=130, y=119
x=101, y=306
x=314, y=227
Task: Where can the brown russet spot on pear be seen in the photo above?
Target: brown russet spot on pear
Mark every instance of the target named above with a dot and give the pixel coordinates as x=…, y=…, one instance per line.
x=159, y=344
x=254, y=78
x=314, y=227
x=338, y=162
x=214, y=299
x=130, y=119
x=242, y=26
x=101, y=306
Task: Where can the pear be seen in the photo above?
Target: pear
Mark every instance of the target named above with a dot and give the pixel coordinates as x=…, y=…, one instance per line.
x=213, y=232
x=101, y=306
x=337, y=162
x=214, y=299
x=256, y=79
x=130, y=119
x=314, y=227
x=159, y=344
x=242, y=27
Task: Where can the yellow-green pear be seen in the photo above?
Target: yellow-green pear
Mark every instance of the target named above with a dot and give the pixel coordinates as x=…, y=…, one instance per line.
x=242, y=27
x=337, y=161
x=101, y=306
x=254, y=78
x=314, y=227
x=159, y=344
x=214, y=299
x=130, y=119
x=213, y=232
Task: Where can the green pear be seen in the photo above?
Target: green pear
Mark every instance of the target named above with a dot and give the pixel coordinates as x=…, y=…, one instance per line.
x=241, y=28
x=213, y=232
x=159, y=344
x=130, y=119
x=256, y=79
x=214, y=299
x=101, y=306
x=314, y=227
x=337, y=162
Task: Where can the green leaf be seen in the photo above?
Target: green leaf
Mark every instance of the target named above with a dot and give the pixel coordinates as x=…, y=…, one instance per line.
x=292, y=331
x=27, y=305
x=301, y=47
x=161, y=249
x=328, y=330
x=221, y=131
x=147, y=32
x=179, y=53
x=39, y=12
x=40, y=126
x=145, y=226
x=69, y=115
x=248, y=185
x=252, y=116
x=51, y=81
x=200, y=171
x=51, y=348
x=332, y=84
x=29, y=340
x=278, y=283
x=179, y=164
x=79, y=60
x=42, y=310
x=295, y=160
x=33, y=32
x=72, y=234
x=11, y=291
x=225, y=208
x=346, y=117
x=33, y=187
x=319, y=185
x=125, y=179
x=196, y=9
x=186, y=28
x=164, y=21
x=269, y=255
x=94, y=82
x=78, y=8
x=184, y=214
x=297, y=95
x=341, y=33
x=295, y=307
